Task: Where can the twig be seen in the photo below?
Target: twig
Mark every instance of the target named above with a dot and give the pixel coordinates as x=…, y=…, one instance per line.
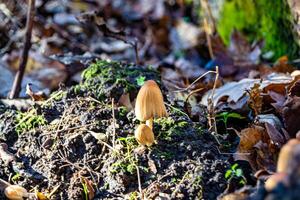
x=211, y=110
x=205, y=4
x=24, y=56
x=195, y=81
x=139, y=182
x=178, y=110
x=114, y=122
x=191, y=93
x=208, y=38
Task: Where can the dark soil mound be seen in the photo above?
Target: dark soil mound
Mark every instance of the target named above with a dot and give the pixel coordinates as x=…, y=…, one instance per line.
x=71, y=141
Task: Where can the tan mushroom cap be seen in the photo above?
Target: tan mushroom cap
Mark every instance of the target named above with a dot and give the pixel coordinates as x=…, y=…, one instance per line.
x=15, y=192
x=150, y=102
x=144, y=135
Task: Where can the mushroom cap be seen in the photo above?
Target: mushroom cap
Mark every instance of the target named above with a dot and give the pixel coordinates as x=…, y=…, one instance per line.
x=15, y=192
x=286, y=155
x=150, y=102
x=144, y=135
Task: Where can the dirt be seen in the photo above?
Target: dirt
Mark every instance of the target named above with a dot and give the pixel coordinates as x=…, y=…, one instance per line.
x=70, y=138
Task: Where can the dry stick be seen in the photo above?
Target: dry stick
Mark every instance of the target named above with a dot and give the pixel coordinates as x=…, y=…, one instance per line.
x=205, y=4
x=24, y=56
x=139, y=182
x=114, y=122
x=195, y=81
x=211, y=111
x=207, y=34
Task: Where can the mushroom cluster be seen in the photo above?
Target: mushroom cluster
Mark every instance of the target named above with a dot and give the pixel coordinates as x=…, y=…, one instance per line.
x=149, y=105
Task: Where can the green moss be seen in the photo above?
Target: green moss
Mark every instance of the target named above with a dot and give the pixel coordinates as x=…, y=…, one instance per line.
x=126, y=161
x=263, y=19
x=133, y=195
x=170, y=128
x=105, y=79
x=28, y=121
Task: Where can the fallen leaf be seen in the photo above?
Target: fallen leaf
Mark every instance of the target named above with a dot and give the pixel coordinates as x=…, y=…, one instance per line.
x=125, y=101
x=233, y=91
x=255, y=99
x=276, y=137
x=290, y=115
x=35, y=96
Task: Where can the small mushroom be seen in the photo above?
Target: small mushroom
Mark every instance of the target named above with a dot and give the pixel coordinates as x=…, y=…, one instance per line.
x=15, y=192
x=287, y=155
x=150, y=103
x=144, y=135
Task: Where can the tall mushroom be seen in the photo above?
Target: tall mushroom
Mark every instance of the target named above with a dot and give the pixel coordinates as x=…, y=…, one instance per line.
x=144, y=135
x=150, y=103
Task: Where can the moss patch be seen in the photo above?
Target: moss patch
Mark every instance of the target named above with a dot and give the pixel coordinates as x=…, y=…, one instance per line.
x=264, y=19
x=105, y=79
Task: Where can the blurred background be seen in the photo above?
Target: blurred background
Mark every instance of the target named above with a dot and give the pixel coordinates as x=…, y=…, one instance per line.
x=181, y=38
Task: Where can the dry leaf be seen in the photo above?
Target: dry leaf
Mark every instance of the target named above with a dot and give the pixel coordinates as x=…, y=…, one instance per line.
x=35, y=96
x=249, y=137
x=276, y=137
x=233, y=91
x=255, y=99
x=125, y=101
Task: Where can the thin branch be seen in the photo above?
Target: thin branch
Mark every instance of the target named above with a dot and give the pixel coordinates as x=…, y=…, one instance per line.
x=211, y=109
x=195, y=81
x=139, y=182
x=114, y=123
x=15, y=91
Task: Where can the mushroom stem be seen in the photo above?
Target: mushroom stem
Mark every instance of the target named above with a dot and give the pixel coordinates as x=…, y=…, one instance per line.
x=149, y=123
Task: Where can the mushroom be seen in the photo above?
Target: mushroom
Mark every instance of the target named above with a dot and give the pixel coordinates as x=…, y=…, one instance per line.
x=144, y=135
x=150, y=103
x=15, y=192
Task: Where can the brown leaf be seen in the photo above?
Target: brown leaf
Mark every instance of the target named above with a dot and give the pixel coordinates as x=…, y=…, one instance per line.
x=282, y=65
x=255, y=99
x=233, y=91
x=264, y=157
x=290, y=114
x=125, y=101
x=35, y=96
x=249, y=137
x=254, y=147
x=295, y=89
x=279, y=100
x=276, y=137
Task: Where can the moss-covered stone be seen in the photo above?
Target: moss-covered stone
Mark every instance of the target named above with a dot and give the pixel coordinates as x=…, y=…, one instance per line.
x=105, y=79
x=263, y=19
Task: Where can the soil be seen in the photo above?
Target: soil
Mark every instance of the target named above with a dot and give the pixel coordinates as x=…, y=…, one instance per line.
x=77, y=144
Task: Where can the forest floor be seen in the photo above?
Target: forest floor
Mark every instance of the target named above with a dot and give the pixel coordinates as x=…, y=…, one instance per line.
x=231, y=108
